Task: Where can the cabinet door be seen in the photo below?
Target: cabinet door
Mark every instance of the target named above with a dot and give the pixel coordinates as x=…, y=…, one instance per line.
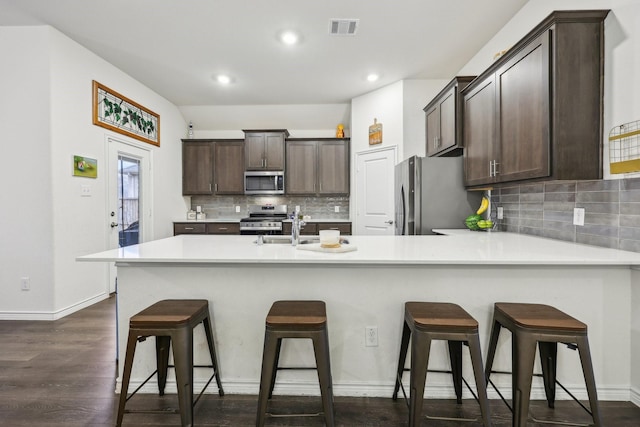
x=333, y=167
x=300, y=174
x=447, y=125
x=197, y=168
x=229, y=167
x=189, y=228
x=479, y=132
x=432, y=131
x=254, y=151
x=523, y=91
x=223, y=228
x=274, y=152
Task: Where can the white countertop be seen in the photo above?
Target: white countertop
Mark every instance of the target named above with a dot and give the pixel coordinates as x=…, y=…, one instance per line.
x=460, y=247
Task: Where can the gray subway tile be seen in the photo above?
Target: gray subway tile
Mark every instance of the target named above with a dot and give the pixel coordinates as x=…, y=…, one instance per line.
x=607, y=242
x=629, y=245
x=598, y=196
x=510, y=198
x=531, y=197
x=600, y=185
x=599, y=218
x=530, y=223
x=608, y=208
x=559, y=206
x=509, y=190
x=598, y=230
x=559, y=226
x=630, y=184
x=532, y=188
x=560, y=187
x=532, y=214
x=630, y=208
x=532, y=231
x=629, y=233
x=630, y=196
x=630, y=221
x=558, y=216
x=568, y=236
x=560, y=197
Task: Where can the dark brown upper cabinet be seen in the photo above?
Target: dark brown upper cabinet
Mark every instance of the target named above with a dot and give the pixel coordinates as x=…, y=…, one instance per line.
x=228, y=171
x=443, y=120
x=197, y=167
x=317, y=166
x=536, y=113
x=264, y=149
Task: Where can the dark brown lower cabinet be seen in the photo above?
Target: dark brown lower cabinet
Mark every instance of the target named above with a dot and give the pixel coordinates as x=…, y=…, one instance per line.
x=206, y=228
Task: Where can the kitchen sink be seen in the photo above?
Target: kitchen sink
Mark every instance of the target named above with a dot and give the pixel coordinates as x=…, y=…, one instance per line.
x=303, y=240
x=269, y=240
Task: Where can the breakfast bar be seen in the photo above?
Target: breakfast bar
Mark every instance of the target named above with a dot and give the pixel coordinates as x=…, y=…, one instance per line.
x=368, y=286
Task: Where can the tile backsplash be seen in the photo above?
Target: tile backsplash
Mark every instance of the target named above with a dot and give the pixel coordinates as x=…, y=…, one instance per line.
x=224, y=207
x=612, y=211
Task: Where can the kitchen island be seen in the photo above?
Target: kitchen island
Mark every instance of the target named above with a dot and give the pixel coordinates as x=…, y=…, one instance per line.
x=368, y=287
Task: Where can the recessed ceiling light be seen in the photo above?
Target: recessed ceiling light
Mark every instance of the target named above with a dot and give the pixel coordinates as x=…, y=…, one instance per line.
x=223, y=79
x=289, y=38
x=372, y=77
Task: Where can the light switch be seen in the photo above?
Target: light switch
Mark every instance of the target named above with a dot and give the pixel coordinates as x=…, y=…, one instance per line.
x=85, y=191
x=578, y=216
x=336, y=209
x=237, y=209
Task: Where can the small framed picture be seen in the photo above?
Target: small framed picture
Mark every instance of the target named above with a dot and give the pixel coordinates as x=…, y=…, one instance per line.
x=85, y=167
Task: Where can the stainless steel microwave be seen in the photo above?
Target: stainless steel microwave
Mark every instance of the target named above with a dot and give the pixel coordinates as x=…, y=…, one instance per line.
x=263, y=182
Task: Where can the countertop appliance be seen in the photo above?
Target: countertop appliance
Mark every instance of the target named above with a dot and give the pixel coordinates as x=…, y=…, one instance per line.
x=430, y=193
x=264, y=219
x=263, y=182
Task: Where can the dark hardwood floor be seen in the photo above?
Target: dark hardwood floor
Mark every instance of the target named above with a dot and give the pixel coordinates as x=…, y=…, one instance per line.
x=63, y=373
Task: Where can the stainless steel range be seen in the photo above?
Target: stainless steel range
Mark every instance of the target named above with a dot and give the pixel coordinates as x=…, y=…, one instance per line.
x=264, y=219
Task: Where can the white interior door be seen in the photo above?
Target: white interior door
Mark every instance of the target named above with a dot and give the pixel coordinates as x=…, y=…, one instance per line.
x=129, y=204
x=374, y=192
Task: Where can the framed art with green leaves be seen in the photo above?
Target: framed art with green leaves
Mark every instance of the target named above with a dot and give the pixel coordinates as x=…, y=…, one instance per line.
x=120, y=114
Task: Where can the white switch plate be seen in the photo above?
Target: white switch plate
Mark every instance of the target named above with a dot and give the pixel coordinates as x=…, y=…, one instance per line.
x=85, y=191
x=336, y=209
x=297, y=209
x=500, y=212
x=578, y=216
x=237, y=209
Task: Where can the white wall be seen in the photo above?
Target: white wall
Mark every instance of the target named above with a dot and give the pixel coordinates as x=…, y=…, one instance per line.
x=51, y=224
x=26, y=248
x=635, y=336
x=622, y=54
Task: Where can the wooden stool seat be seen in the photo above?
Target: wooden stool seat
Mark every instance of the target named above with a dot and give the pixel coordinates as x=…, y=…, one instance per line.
x=429, y=321
x=296, y=319
x=546, y=326
x=172, y=323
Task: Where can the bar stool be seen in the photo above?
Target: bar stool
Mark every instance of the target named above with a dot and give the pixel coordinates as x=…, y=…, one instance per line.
x=296, y=319
x=547, y=326
x=439, y=321
x=172, y=323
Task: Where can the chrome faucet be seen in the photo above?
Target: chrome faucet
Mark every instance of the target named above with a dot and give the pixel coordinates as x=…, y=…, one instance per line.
x=296, y=223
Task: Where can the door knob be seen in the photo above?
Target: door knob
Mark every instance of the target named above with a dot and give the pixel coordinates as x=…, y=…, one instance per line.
x=114, y=224
x=389, y=222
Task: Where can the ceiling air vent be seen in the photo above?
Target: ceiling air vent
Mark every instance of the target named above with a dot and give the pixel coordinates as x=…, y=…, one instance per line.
x=343, y=27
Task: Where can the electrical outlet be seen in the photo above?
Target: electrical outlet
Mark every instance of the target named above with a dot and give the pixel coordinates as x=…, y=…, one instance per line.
x=336, y=209
x=25, y=283
x=578, y=216
x=371, y=336
x=237, y=209
x=500, y=212
x=297, y=209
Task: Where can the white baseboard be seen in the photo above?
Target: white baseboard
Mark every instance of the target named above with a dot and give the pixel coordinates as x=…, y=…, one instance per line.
x=310, y=388
x=52, y=315
x=635, y=396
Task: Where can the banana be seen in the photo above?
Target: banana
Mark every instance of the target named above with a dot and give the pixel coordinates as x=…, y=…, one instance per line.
x=484, y=205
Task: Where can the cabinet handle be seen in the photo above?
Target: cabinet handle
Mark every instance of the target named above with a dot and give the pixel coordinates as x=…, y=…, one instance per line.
x=490, y=168
x=265, y=163
x=188, y=228
x=209, y=186
x=495, y=168
x=216, y=187
x=223, y=228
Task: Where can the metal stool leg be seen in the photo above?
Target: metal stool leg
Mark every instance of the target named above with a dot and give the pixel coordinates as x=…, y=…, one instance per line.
x=126, y=375
x=163, y=344
x=212, y=351
x=323, y=365
x=589, y=378
x=481, y=387
x=404, y=346
x=275, y=367
x=523, y=356
x=455, y=356
x=183, y=358
x=420, y=348
x=493, y=344
x=268, y=355
x=548, y=361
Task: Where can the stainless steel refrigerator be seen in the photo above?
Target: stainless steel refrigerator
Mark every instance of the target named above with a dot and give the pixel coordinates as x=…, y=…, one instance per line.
x=430, y=193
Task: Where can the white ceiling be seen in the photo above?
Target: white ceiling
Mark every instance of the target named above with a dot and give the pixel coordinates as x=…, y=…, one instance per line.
x=175, y=47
